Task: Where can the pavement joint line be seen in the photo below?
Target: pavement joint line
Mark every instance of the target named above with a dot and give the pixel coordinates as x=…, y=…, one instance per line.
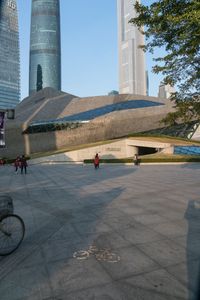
x=186, y=183
x=115, y=164
x=8, y=267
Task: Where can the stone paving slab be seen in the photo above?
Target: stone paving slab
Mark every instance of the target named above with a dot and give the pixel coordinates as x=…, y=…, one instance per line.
x=117, y=233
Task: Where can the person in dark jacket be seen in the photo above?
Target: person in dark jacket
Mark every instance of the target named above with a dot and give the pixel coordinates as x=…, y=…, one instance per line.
x=17, y=164
x=23, y=164
x=136, y=160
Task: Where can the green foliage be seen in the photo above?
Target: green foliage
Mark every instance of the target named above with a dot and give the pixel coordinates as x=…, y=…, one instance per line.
x=154, y=159
x=175, y=25
x=11, y=160
x=110, y=160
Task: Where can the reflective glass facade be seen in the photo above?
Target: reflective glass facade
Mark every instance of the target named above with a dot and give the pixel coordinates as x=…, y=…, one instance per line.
x=98, y=112
x=45, y=49
x=187, y=150
x=9, y=55
x=77, y=120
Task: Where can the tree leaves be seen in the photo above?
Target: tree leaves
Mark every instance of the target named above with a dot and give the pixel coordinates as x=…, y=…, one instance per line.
x=175, y=24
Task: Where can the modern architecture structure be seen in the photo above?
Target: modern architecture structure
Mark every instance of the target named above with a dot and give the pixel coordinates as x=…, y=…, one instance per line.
x=50, y=120
x=147, y=83
x=165, y=91
x=45, y=48
x=9, y=55
x=132, y=76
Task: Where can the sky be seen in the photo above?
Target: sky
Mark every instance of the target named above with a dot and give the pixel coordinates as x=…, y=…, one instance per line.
x=89, y=47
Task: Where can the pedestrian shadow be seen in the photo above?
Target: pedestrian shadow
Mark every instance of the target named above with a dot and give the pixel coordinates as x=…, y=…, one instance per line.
x=193, y=249
x=55, y=243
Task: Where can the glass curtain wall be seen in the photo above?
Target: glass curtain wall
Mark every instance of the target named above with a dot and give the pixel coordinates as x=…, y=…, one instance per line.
x=45, y=48
x=9, y=55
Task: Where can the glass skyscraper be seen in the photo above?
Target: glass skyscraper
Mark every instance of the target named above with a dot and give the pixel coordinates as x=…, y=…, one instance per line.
x=9, y=55
x=45, y=48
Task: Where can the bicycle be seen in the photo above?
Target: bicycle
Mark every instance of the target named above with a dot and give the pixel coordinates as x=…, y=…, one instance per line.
x=12, y=228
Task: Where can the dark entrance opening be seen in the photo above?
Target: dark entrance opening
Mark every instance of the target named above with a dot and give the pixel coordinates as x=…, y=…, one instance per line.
x=146, y=150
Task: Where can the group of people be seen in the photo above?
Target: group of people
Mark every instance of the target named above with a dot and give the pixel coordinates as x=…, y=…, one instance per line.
x=96, y=161
x=21, y=163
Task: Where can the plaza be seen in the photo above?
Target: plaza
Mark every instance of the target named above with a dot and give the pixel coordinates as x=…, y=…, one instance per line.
x=120, y=232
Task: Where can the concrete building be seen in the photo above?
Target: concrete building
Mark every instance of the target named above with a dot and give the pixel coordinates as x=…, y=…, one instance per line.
x=45, y=48
x=132, y=75
x=53, y=120
x=9, y=55
x=165, y=91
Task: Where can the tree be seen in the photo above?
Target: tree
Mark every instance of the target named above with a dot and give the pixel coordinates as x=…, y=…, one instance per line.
x=39, y=84
x=175, y=25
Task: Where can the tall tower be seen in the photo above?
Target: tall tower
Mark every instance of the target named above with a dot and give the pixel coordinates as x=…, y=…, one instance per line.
x=132, y=75
x=45, y=48
x=9, y=55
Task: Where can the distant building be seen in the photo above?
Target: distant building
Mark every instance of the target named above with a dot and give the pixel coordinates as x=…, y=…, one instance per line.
x=9, y=55
x=132, y=75
x=45, y=48
x=147, y=83
x=165, y=91
x=112, y=93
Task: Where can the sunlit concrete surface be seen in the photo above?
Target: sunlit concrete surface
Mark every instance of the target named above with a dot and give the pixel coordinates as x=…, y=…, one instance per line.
x=120, y=232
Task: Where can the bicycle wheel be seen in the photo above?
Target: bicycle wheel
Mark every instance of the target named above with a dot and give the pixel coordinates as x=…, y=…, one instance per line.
x=12, y=231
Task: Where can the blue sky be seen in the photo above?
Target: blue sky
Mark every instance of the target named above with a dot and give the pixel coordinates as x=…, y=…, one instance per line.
x=89, y=47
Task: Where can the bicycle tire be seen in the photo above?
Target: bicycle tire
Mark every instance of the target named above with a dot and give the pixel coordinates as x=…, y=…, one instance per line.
x=12, y=230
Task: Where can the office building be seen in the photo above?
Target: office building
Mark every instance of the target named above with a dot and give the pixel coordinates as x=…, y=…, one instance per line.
x=45, y=48
x=132, y=76
x=9, y=55
x=165, y=91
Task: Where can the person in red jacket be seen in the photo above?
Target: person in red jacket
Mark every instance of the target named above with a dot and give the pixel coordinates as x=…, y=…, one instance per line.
x=96, y=161
x=2, y=162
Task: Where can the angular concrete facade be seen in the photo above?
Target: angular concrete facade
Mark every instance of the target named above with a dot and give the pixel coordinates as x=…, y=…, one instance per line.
x=132, y=75
x=49, y=106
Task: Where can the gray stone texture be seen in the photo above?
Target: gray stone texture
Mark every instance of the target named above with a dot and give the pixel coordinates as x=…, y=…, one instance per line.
x=138, y=228
x=49, y=104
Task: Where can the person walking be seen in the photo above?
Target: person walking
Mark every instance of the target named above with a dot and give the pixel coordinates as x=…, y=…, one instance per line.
x=17, y=164
x=23, y=163
x=96, y=161
x=136, y=160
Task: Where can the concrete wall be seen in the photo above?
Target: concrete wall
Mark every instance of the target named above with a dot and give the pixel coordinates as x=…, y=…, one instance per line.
x=124, y=148
x=113, y=125
x=106, y=151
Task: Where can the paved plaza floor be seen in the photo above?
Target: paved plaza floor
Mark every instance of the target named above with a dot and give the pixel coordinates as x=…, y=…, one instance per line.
x=117, y=233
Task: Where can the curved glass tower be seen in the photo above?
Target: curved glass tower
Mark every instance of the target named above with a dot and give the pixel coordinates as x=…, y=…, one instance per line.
x=45, y=50
x=9, y=55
